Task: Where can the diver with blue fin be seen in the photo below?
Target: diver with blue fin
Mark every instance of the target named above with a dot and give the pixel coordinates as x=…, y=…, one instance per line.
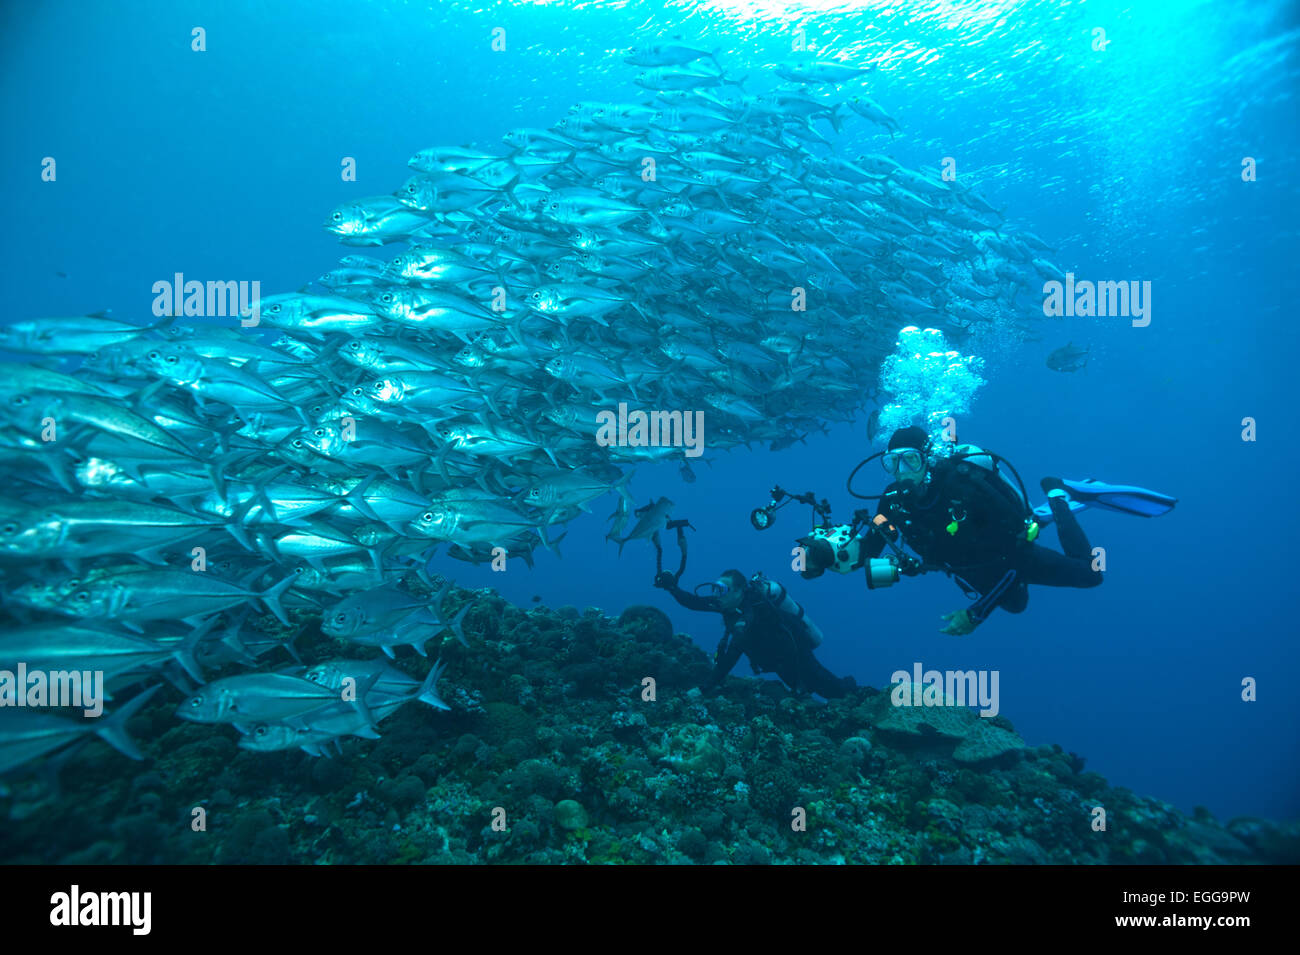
x=964, y=515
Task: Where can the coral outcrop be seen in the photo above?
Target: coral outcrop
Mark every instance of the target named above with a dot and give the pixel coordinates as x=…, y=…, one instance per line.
x=575, y=737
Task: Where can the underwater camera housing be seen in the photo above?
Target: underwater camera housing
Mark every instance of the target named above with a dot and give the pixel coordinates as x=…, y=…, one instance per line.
x=833, y=547
x=839, y=549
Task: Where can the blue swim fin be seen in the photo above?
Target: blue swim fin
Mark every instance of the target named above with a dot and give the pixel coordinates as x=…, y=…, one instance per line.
x=1122, y=498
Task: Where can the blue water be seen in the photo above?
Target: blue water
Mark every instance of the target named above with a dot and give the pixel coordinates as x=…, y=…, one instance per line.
x=225, y=163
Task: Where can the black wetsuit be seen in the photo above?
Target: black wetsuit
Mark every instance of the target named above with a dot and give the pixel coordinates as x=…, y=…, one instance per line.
x=774, y=641
x=990, y=534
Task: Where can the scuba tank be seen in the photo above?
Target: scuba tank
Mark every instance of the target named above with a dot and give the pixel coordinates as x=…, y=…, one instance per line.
x=777, y=597
x=987, y=461
x=985, y=469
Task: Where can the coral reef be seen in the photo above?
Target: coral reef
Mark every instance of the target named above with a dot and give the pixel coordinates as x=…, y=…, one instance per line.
x=578, y=738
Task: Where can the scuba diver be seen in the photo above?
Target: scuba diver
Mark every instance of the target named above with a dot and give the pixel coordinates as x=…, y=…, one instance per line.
x=761, y=621
x=963, y=516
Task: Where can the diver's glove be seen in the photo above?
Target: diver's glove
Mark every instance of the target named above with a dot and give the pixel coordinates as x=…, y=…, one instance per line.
x=909, y=566
x=665, y=580
x=960, y=623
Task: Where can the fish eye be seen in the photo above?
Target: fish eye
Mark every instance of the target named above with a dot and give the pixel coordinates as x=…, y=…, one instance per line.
x=171, y=359
x=358, y=392
x=354, y=345
x=81, y=596
x=340, y=618
x=427, y=517
x=153, y=356
x=386, y=297
x=297, y=442
x=337, y=216
x=10, y=528
x=260, y=731
x=273, y=308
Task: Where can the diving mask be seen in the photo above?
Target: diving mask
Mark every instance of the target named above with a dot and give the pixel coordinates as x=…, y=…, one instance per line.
x=904, y=461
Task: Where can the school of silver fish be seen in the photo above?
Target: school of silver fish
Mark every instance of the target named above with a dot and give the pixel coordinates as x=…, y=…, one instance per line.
x=170, y=483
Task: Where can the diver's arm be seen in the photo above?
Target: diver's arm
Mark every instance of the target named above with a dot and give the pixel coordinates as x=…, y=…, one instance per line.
x=692, y=601
x=726, y=657
x=874, y=542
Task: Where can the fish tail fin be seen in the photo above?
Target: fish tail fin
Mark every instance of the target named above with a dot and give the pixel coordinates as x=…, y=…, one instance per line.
x=457, y=625
x=235, y=526
x=621, y=486
x=490, y=399
x=271, y=599
x=289, y=647
x=509, y=190
x=112, y=730
x=441, y=461
x=428, y=692
x=835, y=117
x=357, y=497
x=184, y=654
x=360, y=705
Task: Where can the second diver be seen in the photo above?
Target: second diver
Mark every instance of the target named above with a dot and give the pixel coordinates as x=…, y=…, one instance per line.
x=761, y=621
